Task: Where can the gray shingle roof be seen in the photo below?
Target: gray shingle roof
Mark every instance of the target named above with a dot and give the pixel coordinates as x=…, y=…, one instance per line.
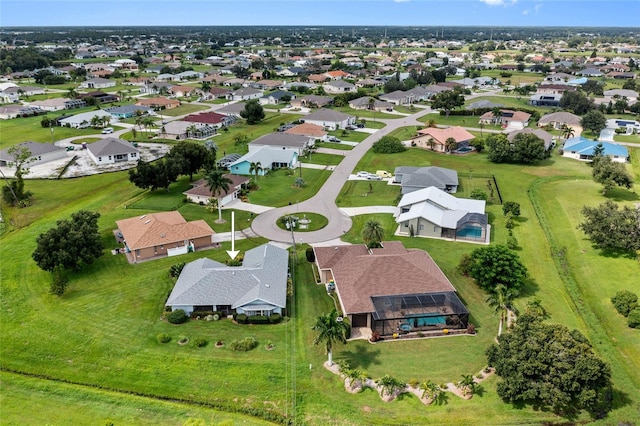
x=261, y=279
x=36, y=148
x=327, y=115
x=111, y=146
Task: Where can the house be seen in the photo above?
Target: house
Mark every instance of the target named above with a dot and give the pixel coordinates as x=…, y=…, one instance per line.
x=128, y=111
x=482, y=104
x=613, y=95
x=159, y=103
x=416, y=178
x=330, y=119
x=369, y=103
x=390, y=289
x=8, y=112
x=58, y=104
x=312, y=131
x=258, y=287
x=271, y=152
x=232, y=110
x=98, y=83
x=581, y=148
x=211, y=118
x=24, y=90
x=275, y=98
x=182, y=91
x=339, y=86
x=112, y=150
x=225, y=161
x=435, y=139
x=245, y=94
x=548, y=138
x=560, y=120
x=554, y=89
x=508, y=119
x=40, y=153
x=433, y=213
x=398, y=97
x=543, y=100
x=283, y=140
x=180, y=129
x=162, y=234
x=312, y=101
x=470, y=83
x=100, y=97
x=200, y=192
x=83, y=120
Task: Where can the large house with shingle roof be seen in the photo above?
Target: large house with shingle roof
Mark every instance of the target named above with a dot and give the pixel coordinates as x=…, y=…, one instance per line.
x=433, y=213
x=159, y=234
x=416, y=178
x=112, y=150
x=258, y=287
x=390, y=289
x=330, y=119
x=40, y=153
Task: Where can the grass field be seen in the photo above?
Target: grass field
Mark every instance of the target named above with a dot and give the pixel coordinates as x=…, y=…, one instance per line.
x=183, y=109
x=321, y=158
x=100, y=336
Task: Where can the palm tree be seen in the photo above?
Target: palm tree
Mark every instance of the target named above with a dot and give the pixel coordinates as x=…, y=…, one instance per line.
x=500, y=300
x=497, y=115
x=567, y=131
x=355, y=376
x=467, y=384
x=331, y=328
x=432, y=143
x=389, y=384
x=255, y=168
x=450, y=144
x=430, y=390
x=206, y=86
x=219, y=185
x=372, y=233
x=535, y=307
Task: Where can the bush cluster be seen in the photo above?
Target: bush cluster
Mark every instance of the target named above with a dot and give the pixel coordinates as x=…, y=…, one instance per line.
x=275, y=318
x=203, y=314
x=626, y=303
x=388, y=145
x=175, y=270
x=177, y=317
x=200, y=342
x=244, y=345
x=163, y=338
x=258, y=319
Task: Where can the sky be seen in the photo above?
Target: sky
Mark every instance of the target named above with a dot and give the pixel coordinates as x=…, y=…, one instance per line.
x=529, y=13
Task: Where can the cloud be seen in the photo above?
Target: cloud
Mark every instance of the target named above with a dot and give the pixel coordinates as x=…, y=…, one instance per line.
x=525, y=12
x=537, y=7
x=499, y=2
x=401, y=1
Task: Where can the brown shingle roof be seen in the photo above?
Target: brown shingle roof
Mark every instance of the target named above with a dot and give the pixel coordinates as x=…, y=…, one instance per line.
x=200, y=186
x=155, y=229
x=307, y=129
x=392, y=270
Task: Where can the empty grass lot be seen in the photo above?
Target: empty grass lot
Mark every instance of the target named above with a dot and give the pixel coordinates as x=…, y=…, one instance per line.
x=278, y=188
x=322, y=158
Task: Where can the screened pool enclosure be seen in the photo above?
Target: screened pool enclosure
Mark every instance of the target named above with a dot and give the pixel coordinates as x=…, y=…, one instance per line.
x=418, y=312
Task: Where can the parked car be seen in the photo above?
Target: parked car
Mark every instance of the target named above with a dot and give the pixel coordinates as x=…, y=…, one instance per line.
x=371, y=176
x=363, y=174
x=360, y=126
x=107, y=130
x=70, y=148
x=351, y=127
x=333, y=139
x=383, y=174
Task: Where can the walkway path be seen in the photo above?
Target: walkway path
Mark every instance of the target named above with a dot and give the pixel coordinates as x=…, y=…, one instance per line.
x=324, y=201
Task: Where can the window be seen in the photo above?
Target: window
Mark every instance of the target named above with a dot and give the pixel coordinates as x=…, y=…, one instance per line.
x=406, y=224
x=99, y=158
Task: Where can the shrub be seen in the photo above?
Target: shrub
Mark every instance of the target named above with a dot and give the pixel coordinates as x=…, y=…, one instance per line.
x=177, y=317
x=183, y=340
x=258, y=319
x=200, y=342
x=633, y=320
x=204, y=314
x=511, y=207
x=242, y=319
x=471, y=329
x=163, y=338
x=624, y=301
x=414, y=383
x=512, y=243
x=311, y=256
x=243, y=345
x=275, y=318
x=175, y=270
x=388, y=145
x=478, y=194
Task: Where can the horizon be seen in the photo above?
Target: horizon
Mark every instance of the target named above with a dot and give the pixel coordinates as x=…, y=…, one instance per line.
x=324, y=13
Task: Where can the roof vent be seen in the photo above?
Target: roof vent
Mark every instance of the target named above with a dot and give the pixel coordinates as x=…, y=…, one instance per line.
x=147, y=221
x=143, y=216
x=162, y=235
x=267, y=285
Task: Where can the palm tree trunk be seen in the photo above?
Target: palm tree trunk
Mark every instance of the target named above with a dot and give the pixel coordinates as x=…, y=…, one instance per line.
x=219, y=210
x=330, y=361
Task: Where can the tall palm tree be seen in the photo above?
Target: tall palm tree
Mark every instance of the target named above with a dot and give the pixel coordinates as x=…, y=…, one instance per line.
x=450, y=144
x=206, y=86
x=330, y=330
x=255, y=168
x=372, y=233
x=219, y=185
x=432, y=143
x=497, y=115
x=500, y=300
x=567, y=131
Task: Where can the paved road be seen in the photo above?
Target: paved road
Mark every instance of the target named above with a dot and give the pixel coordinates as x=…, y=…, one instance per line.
x=324, y=201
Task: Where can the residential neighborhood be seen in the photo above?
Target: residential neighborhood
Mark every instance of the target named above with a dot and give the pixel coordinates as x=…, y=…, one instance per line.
x=295, y=224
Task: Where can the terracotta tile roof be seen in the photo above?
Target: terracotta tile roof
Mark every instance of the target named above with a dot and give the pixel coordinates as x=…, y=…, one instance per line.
x=206, y=117
x=393, y=270
x=157, y=101
x=307, y=129
x=441, y=135
x=155, y=229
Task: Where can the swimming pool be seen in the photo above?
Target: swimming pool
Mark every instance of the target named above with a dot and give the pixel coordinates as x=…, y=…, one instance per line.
x=469, y=232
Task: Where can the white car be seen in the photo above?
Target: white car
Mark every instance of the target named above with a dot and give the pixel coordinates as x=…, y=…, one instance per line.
x=362, y=174
x=371, y=176
x=107, y=130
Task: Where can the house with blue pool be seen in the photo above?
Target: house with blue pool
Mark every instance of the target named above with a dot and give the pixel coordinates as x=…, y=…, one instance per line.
x=390, y=290
x=582, y=148
x=434, y=213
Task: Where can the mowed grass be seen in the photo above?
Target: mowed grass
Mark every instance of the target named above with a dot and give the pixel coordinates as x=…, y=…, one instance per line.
x=278, y=188
x=56, y=403
x=102, y=331
x=322, y=158
x=183, y=109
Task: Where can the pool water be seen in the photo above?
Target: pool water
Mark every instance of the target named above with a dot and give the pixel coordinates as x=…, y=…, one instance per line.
x=469, y=233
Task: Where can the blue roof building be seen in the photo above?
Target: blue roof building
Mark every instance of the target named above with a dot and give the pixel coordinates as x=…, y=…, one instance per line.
x=582, y=148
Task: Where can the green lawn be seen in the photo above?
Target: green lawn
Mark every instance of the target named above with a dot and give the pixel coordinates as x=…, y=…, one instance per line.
x=370, y=124
x=334, y=145
x=627, y=138
x=100, y=336
x=350, y=135
x=183, y=109
x=321, y=158
x=357, y=193
x=405, y=133
x=457, y=120
x=363, y=113
x=316, y=221
x=513, y=102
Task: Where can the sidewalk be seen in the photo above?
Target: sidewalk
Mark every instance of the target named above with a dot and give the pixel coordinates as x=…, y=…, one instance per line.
x=247, y=207
x=355, y=211
x=239, y=235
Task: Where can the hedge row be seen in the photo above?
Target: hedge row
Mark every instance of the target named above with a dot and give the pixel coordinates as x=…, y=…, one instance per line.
x=257, y=319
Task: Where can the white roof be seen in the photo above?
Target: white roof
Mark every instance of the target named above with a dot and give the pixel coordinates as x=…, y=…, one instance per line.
x=438, y=207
